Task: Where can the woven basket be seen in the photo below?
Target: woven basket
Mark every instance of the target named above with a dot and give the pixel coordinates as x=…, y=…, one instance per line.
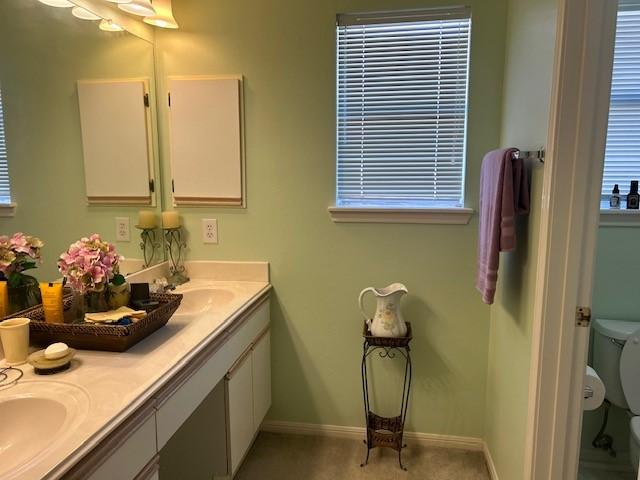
x=112, y=338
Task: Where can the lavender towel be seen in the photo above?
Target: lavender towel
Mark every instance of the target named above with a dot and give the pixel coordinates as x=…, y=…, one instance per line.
x=504, y=194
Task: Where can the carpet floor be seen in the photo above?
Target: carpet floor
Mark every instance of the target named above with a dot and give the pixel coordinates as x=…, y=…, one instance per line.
x=301, y=457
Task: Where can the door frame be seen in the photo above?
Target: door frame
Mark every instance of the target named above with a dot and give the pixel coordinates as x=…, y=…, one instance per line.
x=568, y=233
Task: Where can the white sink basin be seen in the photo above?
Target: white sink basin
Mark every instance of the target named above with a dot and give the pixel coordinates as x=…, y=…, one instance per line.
x=196, y=301
x=36, y=417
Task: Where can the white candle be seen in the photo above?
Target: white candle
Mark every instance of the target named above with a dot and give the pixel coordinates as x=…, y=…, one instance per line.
x=170, y=220
x=147, y=219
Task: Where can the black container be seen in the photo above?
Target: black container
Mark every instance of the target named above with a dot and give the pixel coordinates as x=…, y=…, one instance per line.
x=633, y=198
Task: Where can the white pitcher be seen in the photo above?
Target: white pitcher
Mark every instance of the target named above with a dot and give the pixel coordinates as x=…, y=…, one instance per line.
x=387, y=321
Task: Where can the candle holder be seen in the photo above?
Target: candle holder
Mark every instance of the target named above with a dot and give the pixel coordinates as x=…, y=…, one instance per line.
x=175, y=246
x=149, y=244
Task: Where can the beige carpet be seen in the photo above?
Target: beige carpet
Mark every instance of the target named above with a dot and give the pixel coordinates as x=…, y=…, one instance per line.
x=283, y=457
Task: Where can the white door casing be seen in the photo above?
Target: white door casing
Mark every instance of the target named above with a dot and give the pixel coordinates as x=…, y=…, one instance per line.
x=568, y=230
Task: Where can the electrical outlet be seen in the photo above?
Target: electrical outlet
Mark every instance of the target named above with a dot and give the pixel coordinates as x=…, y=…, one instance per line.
x=209, y=230
x=123, y=233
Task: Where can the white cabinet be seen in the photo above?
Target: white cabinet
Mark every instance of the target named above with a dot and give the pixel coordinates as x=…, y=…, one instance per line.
x=206, y=136
x=248, y=390
x=116, y=140
x=122, y=455
x=239, y=387
x=207, y=415
x=261, y=368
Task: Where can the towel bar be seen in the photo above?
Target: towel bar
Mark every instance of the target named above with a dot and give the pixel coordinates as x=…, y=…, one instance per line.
x=534, y=154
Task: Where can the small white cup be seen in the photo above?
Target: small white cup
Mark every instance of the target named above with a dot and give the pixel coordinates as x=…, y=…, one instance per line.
x=14, y=334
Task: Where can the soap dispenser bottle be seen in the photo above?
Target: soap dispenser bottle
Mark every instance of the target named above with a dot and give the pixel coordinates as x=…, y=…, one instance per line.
x=614, y=199
x=633, y=198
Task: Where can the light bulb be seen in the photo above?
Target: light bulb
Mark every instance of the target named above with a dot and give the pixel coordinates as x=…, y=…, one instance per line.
x=142, y=8
x=57, y=3
x=109, y=26
x=164, y=15
x=84, y=14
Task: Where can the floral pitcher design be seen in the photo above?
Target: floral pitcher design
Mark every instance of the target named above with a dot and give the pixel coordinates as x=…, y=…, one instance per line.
x=387, y=321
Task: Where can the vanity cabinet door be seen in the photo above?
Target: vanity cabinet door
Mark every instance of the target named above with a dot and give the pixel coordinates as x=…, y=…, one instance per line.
x=206, y=140
x=240, y=410
x=124, y=454
x=261, y=366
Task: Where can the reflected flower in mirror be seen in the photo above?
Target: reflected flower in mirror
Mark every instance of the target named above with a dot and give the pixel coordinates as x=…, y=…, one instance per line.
x=19, y=253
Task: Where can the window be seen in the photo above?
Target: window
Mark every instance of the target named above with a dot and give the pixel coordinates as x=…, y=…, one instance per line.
x=402, y=80
x=622, y=158
x=5, y=192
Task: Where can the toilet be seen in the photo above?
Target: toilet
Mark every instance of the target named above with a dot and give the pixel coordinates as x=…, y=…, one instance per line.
x=616, y=358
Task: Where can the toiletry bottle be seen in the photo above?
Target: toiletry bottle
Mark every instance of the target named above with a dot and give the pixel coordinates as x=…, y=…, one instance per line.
x=633, y=198
x=4, y=300
x=614, y=199
x=52, y=302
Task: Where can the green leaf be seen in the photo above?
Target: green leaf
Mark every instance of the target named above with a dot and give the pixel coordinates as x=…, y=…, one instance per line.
x=118, y=279
x=28, y=265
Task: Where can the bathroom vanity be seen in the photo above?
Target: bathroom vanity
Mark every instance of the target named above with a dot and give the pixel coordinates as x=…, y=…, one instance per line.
x=205, y=376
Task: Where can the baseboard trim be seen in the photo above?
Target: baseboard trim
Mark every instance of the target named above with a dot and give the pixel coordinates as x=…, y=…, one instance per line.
x=430, y=439
x=493, y=473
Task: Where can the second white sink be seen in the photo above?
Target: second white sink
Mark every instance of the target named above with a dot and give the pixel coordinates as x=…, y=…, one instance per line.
x=196, y=301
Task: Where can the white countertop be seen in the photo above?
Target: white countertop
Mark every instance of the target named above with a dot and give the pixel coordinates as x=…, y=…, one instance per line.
x=117, y=384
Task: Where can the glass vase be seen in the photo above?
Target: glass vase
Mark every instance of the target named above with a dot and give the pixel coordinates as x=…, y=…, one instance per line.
x=91, y=301
x=25, y=295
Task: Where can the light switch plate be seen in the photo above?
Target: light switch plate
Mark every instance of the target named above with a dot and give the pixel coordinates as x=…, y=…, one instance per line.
x=209, y=230
x=123, y=231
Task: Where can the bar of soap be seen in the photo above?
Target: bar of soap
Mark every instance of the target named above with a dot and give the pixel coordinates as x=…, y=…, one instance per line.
x=56, y=350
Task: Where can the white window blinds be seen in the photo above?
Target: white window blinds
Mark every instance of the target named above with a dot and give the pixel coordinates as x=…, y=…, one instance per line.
x=622, y=155
x=5, y=192
x=402, y=82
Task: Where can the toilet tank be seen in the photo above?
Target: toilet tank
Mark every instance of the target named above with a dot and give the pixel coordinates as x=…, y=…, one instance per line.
x=609, y=339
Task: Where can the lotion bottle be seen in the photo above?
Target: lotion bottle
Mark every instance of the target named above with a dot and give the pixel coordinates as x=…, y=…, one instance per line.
x=4, y=300
x=614, y=199
x=52, y=302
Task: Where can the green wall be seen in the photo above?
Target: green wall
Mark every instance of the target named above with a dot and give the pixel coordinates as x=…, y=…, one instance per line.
x=43, y=52
x=615, y=290
x=527, y=90
x=615, y=295
x=286, y=51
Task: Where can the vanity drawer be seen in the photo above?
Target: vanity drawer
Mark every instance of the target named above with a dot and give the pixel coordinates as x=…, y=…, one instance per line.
x=179, y=399
x=124, y=454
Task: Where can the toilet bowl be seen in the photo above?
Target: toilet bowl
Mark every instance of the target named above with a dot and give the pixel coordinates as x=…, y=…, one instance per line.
x=616, y=358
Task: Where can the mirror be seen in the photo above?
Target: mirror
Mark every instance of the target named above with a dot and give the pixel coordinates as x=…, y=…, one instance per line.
x=44, y=53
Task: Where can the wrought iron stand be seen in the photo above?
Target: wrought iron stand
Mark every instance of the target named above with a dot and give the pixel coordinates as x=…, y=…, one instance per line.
x=386, y=431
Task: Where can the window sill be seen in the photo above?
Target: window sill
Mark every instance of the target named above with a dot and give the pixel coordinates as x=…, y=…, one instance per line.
x=619, y=218
x=7, y=209
x=442, y=216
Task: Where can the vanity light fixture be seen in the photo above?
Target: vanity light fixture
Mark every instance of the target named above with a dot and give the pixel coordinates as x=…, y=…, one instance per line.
x=164, y=15
x=84, y=14
x=142, y=8
x=110, y=26
x=57, y=3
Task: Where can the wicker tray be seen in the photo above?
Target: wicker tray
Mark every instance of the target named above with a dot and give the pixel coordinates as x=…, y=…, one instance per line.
x=112, y=338
x=387, y=341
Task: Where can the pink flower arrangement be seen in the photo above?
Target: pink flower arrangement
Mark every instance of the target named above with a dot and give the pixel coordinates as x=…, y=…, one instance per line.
x=18, y=253
x=89, y=264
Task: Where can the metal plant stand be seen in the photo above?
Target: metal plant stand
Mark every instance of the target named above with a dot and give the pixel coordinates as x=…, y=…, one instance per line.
x=386, y=431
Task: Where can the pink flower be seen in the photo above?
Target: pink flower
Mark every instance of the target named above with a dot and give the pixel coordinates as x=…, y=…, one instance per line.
x=89, y=263
x=18, y=253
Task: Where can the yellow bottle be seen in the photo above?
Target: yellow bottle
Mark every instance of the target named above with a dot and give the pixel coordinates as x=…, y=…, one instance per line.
x=52, y=302
x=4, y=300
